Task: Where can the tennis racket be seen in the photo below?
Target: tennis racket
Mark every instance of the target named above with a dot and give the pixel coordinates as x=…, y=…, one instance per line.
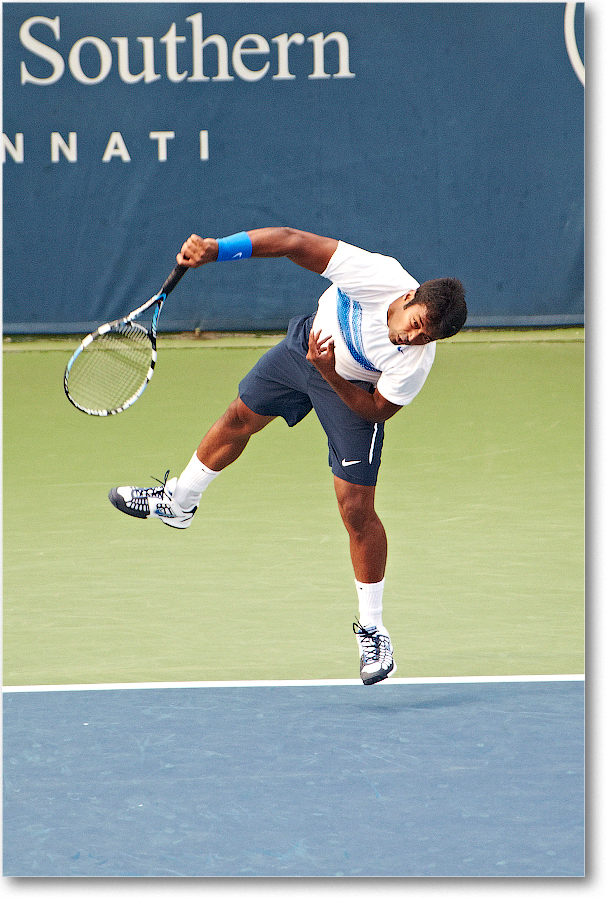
x=113, y=365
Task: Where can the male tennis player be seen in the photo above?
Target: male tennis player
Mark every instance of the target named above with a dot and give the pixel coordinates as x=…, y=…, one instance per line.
x=365, y=353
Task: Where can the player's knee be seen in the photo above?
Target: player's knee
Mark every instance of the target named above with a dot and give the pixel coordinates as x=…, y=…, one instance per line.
x=241, y=420
x=356, y=506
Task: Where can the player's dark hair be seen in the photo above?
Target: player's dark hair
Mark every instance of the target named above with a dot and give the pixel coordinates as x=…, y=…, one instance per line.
x=445, y=306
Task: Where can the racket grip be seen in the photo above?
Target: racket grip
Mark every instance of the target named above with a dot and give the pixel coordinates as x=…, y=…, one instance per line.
x=173, y=278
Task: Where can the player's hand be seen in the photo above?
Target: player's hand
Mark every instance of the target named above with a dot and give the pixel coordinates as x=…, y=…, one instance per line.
x=321, y=353
x=197, y=251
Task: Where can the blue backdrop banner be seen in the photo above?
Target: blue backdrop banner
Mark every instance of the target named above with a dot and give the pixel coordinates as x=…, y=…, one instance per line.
x=448, y=135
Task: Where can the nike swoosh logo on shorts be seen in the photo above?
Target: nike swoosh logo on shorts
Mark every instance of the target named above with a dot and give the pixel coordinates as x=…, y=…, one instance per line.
x=350, y=462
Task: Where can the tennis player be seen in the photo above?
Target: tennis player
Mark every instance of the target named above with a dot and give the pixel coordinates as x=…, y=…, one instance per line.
x=363, y=355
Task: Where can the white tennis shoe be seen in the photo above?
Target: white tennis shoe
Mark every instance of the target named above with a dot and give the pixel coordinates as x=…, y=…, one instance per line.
x=152, y=502
x=376, y=652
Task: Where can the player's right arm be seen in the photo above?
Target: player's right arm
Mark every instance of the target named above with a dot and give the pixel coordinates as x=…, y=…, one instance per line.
x=311, y=251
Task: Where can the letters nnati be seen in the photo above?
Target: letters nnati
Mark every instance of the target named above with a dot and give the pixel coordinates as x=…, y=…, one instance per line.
x=116, y=147
x=247, y=47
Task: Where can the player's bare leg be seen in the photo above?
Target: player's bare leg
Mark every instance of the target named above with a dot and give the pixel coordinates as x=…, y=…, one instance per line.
x=368, y=544
x=228, y=437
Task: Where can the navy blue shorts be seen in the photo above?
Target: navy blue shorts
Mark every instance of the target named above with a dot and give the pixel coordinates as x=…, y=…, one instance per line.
x=284, y=383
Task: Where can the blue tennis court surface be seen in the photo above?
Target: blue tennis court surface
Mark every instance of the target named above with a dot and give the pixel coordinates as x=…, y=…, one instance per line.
x=402, y=779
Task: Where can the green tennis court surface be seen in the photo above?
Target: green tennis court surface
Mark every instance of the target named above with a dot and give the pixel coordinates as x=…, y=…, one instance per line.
x=481, y=493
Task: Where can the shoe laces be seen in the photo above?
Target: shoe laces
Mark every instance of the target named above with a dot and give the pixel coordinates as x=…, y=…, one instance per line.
x=153, y=491
x=375, y=647
x=140, y=497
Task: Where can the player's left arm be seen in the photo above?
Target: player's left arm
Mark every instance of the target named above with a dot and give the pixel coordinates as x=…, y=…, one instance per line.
x=372, y=407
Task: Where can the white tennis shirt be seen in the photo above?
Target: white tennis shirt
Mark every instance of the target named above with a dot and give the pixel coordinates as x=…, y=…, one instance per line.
x=354, y=312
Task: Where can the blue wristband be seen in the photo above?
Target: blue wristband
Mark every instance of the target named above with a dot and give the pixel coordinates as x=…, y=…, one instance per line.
x=236, y=246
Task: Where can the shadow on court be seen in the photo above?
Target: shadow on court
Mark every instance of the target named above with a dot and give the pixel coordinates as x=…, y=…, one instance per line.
x=482, y=779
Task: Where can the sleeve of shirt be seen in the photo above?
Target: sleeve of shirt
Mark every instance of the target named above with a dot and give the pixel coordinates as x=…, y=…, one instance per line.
x=400, y=386
x=367, y=277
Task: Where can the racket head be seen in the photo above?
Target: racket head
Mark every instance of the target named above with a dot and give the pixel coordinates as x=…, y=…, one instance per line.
x=111, y=368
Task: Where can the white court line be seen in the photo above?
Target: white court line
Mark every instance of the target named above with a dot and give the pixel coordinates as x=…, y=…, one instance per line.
x=471, y=679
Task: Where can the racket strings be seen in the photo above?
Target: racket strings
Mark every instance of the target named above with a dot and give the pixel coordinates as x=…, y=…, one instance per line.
x=112, y=369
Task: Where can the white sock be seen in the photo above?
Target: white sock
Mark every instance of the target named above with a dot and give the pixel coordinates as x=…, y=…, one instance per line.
x=192, y=482
x=370, y=602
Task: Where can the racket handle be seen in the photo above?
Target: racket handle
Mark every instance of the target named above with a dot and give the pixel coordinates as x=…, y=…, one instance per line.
x=173, y=278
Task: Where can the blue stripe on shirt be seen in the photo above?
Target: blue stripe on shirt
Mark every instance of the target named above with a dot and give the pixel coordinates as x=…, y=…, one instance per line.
x=349, y=318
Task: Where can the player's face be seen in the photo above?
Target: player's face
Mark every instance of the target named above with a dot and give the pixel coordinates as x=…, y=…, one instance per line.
x=408, y=324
